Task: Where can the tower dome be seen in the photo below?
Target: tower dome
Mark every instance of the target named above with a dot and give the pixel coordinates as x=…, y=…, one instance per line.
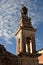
x=24, y=10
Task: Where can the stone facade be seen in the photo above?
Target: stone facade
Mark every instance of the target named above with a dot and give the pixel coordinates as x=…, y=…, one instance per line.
x=7, y=58
x=28, y=59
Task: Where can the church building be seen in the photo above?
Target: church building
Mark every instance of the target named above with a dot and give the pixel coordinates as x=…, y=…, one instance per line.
x=26, y=53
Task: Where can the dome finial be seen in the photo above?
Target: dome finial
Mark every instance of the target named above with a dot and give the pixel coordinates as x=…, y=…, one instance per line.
x=24, y=10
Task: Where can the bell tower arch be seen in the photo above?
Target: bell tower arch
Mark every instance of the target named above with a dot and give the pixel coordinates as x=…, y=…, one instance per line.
x=28, y=45
x=25, y=35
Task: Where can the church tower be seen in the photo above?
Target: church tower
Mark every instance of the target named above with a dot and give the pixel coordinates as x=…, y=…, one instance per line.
x=25, y=35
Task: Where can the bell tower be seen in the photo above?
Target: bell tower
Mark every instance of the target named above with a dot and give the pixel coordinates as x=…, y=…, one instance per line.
x=25, y=35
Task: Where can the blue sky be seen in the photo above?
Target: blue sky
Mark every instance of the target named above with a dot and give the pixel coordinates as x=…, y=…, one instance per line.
x=9, y=17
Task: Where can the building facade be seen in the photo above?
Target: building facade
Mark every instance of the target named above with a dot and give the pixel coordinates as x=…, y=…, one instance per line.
x=25, y=46
x=7, y=58
x=40, y=58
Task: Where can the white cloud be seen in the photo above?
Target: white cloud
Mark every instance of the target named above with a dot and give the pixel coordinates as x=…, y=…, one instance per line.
x=38, y=41
x=8, y=41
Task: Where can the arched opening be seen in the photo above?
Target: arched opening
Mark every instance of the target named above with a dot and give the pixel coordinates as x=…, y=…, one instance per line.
x=28, y=45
